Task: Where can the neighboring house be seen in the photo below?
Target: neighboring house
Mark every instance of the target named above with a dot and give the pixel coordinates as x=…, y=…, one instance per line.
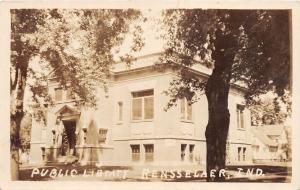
x=269, y=143
x=130, y=126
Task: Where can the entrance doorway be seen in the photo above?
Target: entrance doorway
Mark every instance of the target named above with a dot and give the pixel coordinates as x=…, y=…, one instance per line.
x=68, y=138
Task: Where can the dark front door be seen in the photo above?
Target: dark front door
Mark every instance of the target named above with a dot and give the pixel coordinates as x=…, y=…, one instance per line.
x=68, y=138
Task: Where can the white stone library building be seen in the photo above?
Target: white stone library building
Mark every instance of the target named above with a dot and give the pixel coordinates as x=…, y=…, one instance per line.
x=129, y=125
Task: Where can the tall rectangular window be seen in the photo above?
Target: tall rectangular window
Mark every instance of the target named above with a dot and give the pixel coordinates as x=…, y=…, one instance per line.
x=120, y=111
x=182, y=151
x=143, y=105
x=189, y=111
x=58, y=94
x=240, y=116
x=149, y=152
x=239, y=153
x=255, y=148
x=70, y=94
x=191, y=152
x=148, y=107
x=135, y=152
x=244, y=153
x=136, y=109
x=186, y=110
x=182, y=109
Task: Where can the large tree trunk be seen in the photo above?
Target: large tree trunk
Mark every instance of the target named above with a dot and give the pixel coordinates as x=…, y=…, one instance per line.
x=217, y=90
x=217, y=127
x=14, y=163
x=16, y=116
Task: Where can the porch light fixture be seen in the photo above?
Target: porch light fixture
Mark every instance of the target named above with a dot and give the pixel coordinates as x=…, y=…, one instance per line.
x=53, y=136
x=53, y=131
x=84, y=135
x=43, y=153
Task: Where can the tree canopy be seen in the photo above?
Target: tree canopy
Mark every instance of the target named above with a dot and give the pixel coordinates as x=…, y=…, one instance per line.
x=250, y=48
x=270, y=109
x=75, y=45
x=79, y=45
x=256, y=40
x=246, y=47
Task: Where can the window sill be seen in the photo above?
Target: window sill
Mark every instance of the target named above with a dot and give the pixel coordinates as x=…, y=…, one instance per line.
x=141, y=121
x=186, y=121
x=241, y=129
x=119, y=123
x=66, y=101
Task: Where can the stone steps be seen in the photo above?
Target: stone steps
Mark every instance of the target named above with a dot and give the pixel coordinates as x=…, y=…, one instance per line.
x=67, y=159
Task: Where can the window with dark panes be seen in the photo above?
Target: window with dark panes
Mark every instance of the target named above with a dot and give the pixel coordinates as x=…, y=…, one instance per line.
x=182, y=151
x=120, y=111
x=143, y=105
x=240, y=116
x=149, y=152
x=58, y=94
x=191, y=151
x=239, y=153
x=273, y=148
x=135, y=152
x=102, y=135
x=244, y=153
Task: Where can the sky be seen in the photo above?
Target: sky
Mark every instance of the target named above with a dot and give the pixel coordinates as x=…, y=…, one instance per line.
x=151, y=34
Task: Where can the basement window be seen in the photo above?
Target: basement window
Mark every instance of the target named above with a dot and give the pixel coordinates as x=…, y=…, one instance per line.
x=135, y=152
x=149, y=152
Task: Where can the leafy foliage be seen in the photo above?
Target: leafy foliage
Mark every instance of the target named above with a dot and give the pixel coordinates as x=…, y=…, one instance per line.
x=256, y=42
x=269, y=109
x=79, y=45
x=250, y=48
x=73, y=46
x=25, y=131
x=23, y=22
